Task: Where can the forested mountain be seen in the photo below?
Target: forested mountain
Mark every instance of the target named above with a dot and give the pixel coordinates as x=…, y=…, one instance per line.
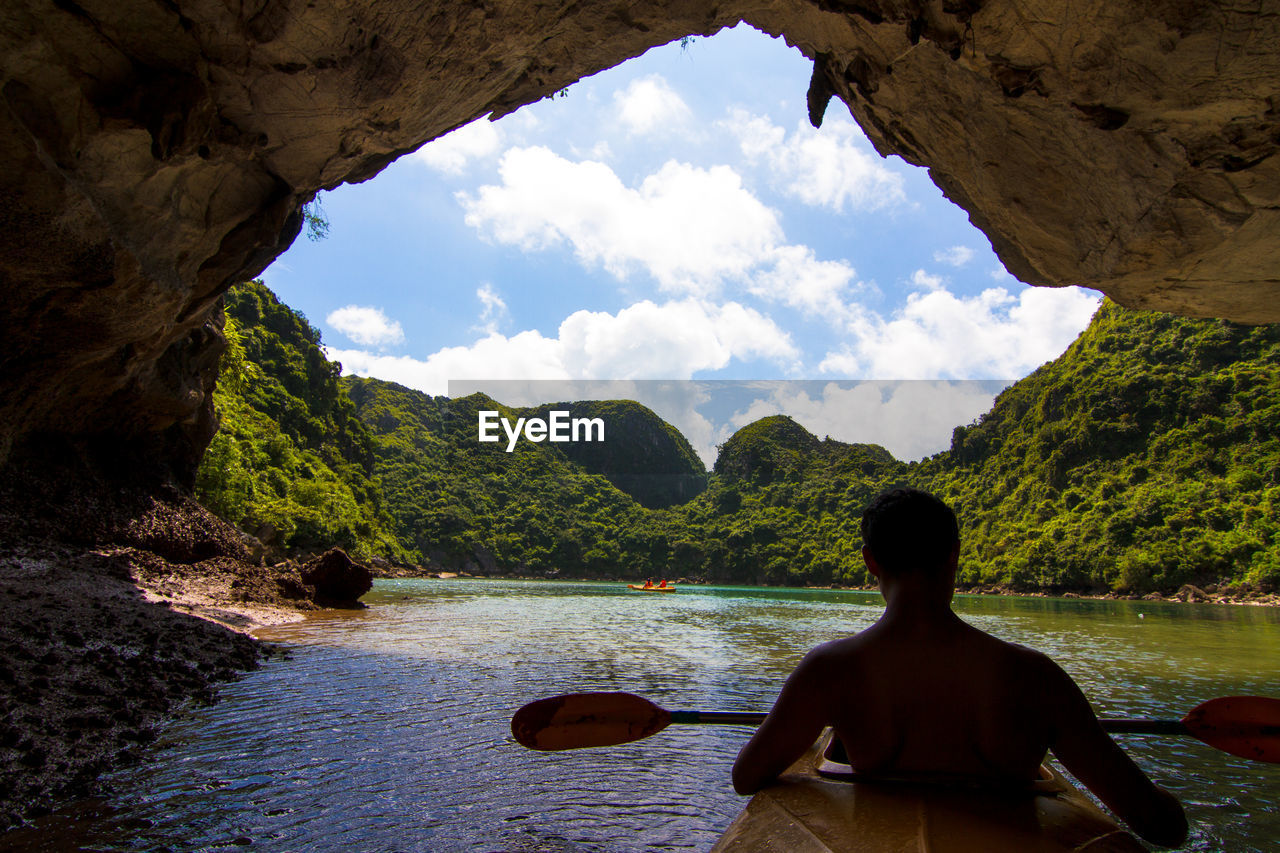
x=783, y=508
x=461, y=503
x=291, y=462
x=642, y=454
x=1143, y=458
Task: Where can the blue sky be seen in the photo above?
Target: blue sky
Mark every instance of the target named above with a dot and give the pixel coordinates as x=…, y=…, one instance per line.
x=675, y=217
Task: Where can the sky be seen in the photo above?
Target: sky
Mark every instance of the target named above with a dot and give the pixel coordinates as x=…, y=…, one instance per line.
x=677, y=218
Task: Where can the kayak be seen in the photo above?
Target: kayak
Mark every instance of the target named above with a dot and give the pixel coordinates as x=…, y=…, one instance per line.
x=640, y=588
x=820, y=806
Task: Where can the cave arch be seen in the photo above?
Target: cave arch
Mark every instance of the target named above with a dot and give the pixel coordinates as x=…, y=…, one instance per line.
x=157, y=154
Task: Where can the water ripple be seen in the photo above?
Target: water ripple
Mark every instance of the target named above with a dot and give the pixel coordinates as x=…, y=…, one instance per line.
x=388, y=729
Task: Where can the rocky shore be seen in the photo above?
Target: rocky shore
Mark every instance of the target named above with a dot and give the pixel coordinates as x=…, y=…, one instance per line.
x=117, y=609
x=1187, y=593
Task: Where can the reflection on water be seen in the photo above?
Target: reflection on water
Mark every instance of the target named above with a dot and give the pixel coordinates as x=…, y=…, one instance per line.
x=388, y=728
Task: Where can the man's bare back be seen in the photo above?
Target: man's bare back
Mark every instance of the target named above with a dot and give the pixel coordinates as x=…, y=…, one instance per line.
x=921, y=693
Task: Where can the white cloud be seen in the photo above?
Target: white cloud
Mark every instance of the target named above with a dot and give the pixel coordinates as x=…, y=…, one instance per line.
x=493, y=308
x=800, y=280
x=690, y=228
x=911, y=419
x=925, y=281
x=645, y=340
x=680, y=410
x=525, y=354
x=366, y=326
x=940, y=335
x=672, y=340
x=834, y=167
x=956, y=256
x=454, y=151
x=601, y=151
x=675, y=401
x=649, y=104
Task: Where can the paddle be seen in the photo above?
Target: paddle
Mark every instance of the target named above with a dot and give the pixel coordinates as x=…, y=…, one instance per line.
x=1247, y=726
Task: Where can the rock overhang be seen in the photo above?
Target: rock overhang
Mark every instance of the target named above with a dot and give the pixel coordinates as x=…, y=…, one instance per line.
x=159, y=153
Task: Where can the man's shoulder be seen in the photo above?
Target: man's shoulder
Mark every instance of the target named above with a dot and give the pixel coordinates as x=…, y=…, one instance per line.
x=1023, y=652
x=835, y=652
x=1028, y=658
x=1029, y=667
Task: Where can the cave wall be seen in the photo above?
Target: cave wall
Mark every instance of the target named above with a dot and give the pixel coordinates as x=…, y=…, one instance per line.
x=158, y=151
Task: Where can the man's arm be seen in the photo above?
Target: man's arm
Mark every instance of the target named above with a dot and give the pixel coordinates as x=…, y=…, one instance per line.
x=792, y=726
x=1085, y=749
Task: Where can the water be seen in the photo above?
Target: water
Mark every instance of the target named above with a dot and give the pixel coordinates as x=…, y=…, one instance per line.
x=388, y=728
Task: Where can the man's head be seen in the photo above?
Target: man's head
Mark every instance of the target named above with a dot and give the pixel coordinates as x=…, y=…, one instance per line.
x=910, y=530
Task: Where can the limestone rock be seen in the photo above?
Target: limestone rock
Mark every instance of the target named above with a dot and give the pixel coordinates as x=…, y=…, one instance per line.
x=338, y=580
x=156, y=153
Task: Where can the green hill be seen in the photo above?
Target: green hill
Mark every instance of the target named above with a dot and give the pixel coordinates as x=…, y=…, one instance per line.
x=1144, y=458
x=783, y=508
x=465, y=504
x=770, y=448
x=641, y=454
x=291, y=462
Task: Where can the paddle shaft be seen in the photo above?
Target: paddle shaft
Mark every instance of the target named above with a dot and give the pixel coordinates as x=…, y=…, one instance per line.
x=742, y=718
x=1246, y=726
x=755, y=718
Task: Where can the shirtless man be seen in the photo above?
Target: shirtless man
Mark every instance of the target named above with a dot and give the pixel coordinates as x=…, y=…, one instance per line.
x=923, y=693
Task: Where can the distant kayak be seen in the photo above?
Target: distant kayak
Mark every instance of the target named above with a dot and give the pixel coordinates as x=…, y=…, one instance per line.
x=639, y=588
x=815, y=808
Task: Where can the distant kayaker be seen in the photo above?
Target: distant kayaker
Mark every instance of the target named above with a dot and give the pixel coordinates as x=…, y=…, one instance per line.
x=923, y=694
x=648, y=583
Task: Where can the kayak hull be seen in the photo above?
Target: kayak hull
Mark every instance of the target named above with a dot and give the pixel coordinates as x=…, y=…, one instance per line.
x=805, y=812
x=639, y=588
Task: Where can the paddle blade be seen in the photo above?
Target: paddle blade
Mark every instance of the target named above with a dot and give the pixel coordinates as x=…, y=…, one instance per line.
x=578, y=720
x=1247, y=726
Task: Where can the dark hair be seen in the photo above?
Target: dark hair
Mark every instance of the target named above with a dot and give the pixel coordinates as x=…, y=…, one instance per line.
x=909, y=529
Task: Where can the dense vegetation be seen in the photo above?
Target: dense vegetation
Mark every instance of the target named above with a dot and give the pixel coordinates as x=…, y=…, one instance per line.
x=641, y=454
x=464, y=504
x=1146, y=457
x=291, y=462
x=783, y=508
x=1143, y=458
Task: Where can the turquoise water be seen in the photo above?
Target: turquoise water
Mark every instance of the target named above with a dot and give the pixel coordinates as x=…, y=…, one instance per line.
x=387, y=729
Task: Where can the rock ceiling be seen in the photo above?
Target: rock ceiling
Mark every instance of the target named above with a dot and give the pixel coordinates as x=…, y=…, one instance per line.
x=157, y=151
